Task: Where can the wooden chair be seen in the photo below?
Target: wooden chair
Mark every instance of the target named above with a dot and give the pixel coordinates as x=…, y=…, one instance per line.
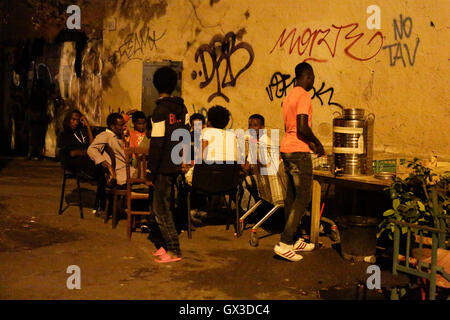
x=138, y=180
x=120, y=194
x=116, y=195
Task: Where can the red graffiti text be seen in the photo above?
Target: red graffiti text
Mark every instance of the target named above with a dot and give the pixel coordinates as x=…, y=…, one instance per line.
x=307, y=43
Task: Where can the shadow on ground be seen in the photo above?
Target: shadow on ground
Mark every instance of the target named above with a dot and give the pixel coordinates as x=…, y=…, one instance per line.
x=18, y=233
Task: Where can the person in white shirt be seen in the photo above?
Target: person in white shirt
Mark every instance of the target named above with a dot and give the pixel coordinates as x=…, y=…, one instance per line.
x=108, y=150
x=219, y=146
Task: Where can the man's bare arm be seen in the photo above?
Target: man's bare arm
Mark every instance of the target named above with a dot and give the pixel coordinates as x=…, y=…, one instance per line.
x=305, y=134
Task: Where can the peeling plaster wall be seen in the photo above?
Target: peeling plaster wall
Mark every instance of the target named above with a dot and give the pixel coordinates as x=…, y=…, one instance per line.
x=83, y=93
x=400, y=76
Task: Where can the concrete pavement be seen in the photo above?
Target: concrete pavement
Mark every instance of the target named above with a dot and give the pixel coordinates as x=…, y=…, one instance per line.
x=37, y=246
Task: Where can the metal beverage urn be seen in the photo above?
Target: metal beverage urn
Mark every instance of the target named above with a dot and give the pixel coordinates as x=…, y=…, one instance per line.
x=353, y=143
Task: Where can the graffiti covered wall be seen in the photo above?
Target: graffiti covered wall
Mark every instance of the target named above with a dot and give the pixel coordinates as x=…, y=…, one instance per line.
x=243, y=57
x=83, y=93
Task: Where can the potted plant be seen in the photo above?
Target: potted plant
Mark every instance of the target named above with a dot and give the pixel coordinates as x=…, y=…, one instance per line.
x=421, y=198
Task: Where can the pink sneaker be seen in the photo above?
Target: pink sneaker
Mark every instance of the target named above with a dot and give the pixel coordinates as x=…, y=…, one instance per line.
x=159, y=252
x=164, y=258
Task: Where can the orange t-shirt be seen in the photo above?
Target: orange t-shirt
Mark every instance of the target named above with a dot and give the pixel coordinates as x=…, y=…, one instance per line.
x=297, y=102
x=136, y=138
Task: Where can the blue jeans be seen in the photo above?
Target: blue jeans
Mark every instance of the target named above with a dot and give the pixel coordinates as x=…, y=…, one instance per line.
x=298, y=167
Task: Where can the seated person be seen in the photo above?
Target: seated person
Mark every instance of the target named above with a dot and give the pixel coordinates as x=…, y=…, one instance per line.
x=198, y=123
x=255, y=124
x=138, y=134
x=141, y=134
x=74, y=142
x=108, y=150
x=261, y=165
x=148, y=134
x=135, y=136
x=138, y=139
x=198, y=202
x=219, y=146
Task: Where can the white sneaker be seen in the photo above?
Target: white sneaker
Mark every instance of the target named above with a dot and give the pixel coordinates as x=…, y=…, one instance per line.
x=301, y=245
x=286, y=251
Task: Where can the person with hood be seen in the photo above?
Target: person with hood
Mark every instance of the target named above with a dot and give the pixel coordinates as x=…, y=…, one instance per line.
x=169, y=115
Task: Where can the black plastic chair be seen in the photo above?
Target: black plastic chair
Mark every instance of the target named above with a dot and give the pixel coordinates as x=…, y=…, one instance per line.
x=215, y=179
x=67, y=174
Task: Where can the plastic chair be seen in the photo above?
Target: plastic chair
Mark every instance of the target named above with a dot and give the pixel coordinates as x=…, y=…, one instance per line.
x=215, y=179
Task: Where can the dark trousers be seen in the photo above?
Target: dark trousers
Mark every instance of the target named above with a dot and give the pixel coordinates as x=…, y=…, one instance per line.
x=298, y=167
x=167, y=237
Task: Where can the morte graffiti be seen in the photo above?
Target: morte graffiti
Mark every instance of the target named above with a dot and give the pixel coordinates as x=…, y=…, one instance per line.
x=220, y=49
x=328, y=39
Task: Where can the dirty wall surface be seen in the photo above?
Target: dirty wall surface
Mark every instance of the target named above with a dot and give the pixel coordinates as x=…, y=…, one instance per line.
x=242, y=54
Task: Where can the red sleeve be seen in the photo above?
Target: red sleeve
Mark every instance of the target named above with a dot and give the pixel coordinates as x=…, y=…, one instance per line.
x=125, y=117
x=303, y=104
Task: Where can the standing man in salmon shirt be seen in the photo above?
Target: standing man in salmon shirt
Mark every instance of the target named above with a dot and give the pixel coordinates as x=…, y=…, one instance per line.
x=296, y=147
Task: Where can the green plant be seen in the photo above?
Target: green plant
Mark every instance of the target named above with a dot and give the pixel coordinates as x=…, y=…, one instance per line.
x=412, y=200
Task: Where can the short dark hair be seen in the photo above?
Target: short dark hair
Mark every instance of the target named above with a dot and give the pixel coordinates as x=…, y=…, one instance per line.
x=68, y=116
x=197, y=116
x=112, y=119
x=302, y=68
x=218, y=116
x=257, y=116
x=138, y=115
x=165, y=80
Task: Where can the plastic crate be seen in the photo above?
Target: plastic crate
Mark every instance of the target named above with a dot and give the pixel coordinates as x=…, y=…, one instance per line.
x=387, y=165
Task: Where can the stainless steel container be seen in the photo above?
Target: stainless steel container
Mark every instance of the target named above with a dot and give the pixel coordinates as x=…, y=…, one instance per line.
x=353, y=143
x=354, y=113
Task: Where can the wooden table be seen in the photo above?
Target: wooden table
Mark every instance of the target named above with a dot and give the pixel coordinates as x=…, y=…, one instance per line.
x=368, y=183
